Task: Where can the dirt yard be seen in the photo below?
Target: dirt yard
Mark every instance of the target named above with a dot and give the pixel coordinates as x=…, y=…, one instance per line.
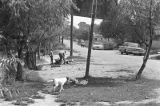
x=111, y=82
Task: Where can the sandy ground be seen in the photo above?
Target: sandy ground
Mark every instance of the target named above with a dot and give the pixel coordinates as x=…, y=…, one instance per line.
x=103, y=64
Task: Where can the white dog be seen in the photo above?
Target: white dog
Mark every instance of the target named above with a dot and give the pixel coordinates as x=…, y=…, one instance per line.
x=60, y=82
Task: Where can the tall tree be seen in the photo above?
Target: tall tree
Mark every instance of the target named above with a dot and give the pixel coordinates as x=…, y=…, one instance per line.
x=144, y=16
x=133, y=20
x=30, y=22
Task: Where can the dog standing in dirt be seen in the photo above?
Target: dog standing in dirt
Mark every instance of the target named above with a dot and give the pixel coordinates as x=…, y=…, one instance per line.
x=60, y=82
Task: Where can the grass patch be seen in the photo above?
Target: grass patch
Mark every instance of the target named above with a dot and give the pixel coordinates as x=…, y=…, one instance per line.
x=24, y=90
x=110, y=90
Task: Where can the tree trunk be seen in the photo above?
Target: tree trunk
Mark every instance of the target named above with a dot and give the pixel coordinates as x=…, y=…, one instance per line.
x=144, y=60
x=149, y=46
x=7, y=51
x=45, y=49
x=20, y=52
x=19, y=72
x=34, y=61
x=71, y=35
x=39, y=47
x=30, y=60
x=108, y=39
x=59, y=39
x=49, y=45
x=90, y=39
x=62, y=39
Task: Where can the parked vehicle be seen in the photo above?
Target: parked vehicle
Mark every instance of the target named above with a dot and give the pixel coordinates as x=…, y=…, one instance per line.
x=109, y=46
x=83, y=44
x=131, y=48
x=98, y=46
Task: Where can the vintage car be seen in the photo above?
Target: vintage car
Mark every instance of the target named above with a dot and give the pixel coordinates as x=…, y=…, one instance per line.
x=83, y=44
x=98, y=46
x=131, y=48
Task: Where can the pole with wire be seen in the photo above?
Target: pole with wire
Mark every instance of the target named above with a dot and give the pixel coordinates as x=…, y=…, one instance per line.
x=93, y=13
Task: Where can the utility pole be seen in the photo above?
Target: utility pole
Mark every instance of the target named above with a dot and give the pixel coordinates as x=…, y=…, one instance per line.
x=94, y=3
x=71, y=34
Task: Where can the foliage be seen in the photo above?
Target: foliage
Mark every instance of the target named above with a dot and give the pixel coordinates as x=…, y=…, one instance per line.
x=82, y=34
x=65, y=31
x=32, y=21
x=114, y=23
x=144, y=15
x=140, y=16
x=135, y=21
x=129, y=21
x=83, y=31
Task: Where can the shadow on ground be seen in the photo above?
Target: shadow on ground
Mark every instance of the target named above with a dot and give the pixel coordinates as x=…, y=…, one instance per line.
x=122, y=70
x=77, y=58
x=156, y=57
x=100, y=89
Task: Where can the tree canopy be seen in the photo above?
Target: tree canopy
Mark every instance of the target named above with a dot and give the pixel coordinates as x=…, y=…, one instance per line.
x=32, y=21
x=129, y=20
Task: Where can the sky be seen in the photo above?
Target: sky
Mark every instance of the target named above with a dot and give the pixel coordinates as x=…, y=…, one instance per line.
x=78, y=19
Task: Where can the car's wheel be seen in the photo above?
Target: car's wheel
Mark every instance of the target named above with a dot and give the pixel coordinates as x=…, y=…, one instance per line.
x=126, y=53
x=141, y=54
x=121, y=52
